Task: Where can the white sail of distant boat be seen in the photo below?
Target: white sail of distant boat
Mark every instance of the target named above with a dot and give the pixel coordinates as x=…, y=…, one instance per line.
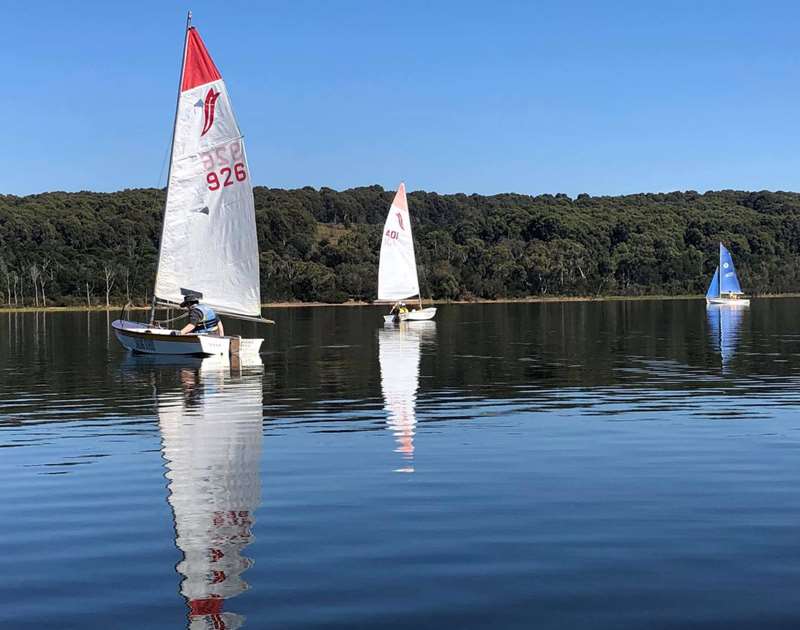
x=399, y=355
x=397, y=271
x=209, y=247
x=725, y=322
x=211, y=432
x=725, y=287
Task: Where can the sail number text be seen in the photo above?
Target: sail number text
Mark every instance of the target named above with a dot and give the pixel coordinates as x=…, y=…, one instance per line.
x=225, y=177
x=224, y=165
x=393, y=234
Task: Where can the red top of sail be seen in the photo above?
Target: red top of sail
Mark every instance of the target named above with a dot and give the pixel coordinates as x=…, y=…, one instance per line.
x=198, y=67
x=400, y=198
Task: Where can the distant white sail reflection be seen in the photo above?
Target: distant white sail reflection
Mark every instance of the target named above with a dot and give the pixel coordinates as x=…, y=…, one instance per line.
x=211, y=433
x=725, y=322
x=399, y=357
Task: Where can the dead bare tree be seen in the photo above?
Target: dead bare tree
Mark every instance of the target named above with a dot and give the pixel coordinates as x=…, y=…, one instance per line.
x=132, y=265
x=110, y=275
x=44, y=277
x=89, y=289
x=33, y=272
x=15, y=277
x=126, y=273
x=7, y=274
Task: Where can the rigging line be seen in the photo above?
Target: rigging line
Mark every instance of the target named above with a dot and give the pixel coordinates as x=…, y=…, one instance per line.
x=420, y=268
x=172, y=319
x=163, y=165
x=180, y=79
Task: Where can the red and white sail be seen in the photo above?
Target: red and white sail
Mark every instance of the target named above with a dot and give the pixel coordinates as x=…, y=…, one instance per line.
x=397, y=272
x=209, y=242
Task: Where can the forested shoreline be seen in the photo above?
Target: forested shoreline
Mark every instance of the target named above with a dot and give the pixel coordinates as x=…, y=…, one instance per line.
x=322, y=245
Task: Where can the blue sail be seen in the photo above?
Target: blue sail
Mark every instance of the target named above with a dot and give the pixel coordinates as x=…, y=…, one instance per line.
x=713, y=288
x=728, y=282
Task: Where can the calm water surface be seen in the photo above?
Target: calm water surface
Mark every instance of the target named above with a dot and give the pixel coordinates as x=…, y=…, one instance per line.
x=582, y=465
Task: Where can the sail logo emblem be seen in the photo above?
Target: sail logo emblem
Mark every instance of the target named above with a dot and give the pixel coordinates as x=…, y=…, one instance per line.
x=725, y=265
x=400, y=221
x=209, y=105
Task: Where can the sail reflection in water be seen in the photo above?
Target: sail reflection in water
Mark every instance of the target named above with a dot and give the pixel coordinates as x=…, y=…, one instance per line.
x=399, y=357
x=725, y=322
x=211, y=441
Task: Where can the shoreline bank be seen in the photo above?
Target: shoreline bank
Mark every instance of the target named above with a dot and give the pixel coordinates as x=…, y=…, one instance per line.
x=528, y=300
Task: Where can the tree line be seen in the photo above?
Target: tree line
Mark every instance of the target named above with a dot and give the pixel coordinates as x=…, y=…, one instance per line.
x=322, y=245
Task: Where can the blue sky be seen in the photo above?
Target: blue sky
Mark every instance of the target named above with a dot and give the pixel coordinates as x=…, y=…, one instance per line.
x=486, y=97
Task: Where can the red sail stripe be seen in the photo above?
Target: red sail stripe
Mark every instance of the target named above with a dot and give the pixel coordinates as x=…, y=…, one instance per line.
x=198, y=67
x=208, y=110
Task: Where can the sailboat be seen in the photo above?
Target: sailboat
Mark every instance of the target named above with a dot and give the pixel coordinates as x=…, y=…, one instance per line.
x=209, y=248
x=397, y=271
x=725, y=287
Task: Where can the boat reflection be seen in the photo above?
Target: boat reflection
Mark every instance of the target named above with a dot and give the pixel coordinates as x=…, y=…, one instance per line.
x=399, y=351
x=211, y=436
x=724, y=323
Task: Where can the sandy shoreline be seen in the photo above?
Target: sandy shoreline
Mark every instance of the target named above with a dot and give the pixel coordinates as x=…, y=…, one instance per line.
x=529, y=300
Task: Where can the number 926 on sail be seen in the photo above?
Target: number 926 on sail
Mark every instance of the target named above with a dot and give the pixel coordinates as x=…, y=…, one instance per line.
x=224, y=165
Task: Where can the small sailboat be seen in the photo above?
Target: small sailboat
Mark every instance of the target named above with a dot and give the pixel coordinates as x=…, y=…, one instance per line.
x=209, y=248
x=725, y=287
x=397, y=271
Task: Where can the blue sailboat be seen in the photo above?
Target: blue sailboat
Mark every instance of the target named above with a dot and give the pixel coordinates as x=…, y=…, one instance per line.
x=725, y=287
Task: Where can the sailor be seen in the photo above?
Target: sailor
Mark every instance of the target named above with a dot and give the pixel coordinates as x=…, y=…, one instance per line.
x=397, y=309
x=202, y=319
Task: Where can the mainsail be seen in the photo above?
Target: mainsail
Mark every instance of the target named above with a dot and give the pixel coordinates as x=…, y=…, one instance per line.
x=208, y=243
x=397, y=272
x=728, y=281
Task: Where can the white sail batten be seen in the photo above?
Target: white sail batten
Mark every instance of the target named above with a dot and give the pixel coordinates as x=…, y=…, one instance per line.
x=209, y=244
x=397, y=272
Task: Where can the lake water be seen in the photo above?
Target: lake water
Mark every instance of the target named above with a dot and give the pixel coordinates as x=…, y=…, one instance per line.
x=580, y=465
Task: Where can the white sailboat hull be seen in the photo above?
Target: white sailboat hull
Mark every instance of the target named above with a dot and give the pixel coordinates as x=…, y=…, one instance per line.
x=421, y=315
x=138, y=337
x=728, y=301
x=418, y=316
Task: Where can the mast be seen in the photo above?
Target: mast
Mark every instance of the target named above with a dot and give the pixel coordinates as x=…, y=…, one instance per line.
x=416, y=266
x=171, y=154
